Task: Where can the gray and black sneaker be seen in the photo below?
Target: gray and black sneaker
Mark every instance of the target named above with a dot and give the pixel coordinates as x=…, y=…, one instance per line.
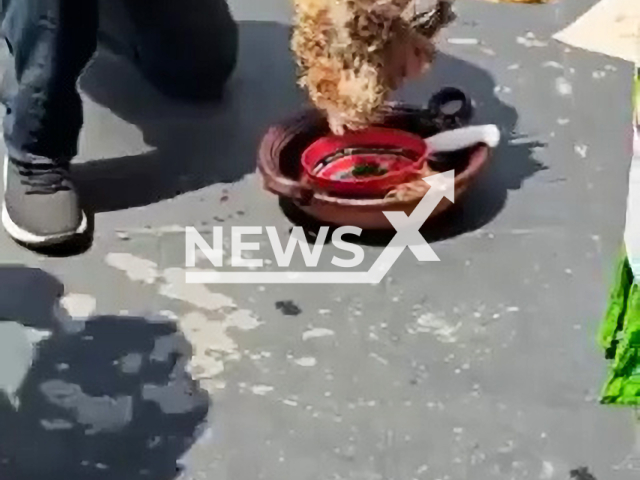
x=41, y=206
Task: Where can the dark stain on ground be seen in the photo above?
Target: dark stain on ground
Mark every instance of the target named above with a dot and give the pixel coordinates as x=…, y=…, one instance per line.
x=289, y=308
x=148, y=443
x=581, y=473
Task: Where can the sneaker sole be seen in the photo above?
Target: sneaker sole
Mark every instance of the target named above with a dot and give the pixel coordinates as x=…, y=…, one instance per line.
x=29, y=238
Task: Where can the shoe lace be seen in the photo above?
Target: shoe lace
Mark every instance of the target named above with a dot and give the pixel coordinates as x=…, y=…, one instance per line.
x=44, y=179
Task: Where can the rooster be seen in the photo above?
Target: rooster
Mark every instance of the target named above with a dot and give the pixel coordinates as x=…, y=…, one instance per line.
x=352, y=54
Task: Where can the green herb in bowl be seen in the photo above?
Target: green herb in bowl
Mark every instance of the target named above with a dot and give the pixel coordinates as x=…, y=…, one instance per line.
x=369, y=169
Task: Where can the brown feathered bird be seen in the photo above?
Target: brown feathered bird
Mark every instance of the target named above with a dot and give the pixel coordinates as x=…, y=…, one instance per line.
x=353, y=53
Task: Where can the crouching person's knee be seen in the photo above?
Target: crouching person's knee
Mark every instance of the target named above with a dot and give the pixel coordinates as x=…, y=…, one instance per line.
x=192, y=54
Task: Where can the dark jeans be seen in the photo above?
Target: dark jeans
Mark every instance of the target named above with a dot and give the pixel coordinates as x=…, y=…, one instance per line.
x=186, y=48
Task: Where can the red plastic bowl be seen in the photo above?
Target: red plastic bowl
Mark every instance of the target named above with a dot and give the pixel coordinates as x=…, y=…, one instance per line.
x=336, y=176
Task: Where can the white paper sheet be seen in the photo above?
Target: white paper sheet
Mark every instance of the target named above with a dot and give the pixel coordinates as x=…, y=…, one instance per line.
x=611, y=27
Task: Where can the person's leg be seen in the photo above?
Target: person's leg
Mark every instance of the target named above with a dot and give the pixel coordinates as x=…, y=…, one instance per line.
x=51, y=42
x=187, y=49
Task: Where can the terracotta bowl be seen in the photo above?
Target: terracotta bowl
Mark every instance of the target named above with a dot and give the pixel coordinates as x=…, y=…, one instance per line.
x=279, y=164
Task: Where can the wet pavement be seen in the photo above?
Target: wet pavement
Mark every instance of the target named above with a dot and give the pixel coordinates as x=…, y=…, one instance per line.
x=481, y=366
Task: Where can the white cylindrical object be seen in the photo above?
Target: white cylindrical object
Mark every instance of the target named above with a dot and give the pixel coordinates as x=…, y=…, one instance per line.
x=465, y=137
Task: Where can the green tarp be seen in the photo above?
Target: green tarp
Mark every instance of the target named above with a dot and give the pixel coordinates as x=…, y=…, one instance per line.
x=619, y=334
